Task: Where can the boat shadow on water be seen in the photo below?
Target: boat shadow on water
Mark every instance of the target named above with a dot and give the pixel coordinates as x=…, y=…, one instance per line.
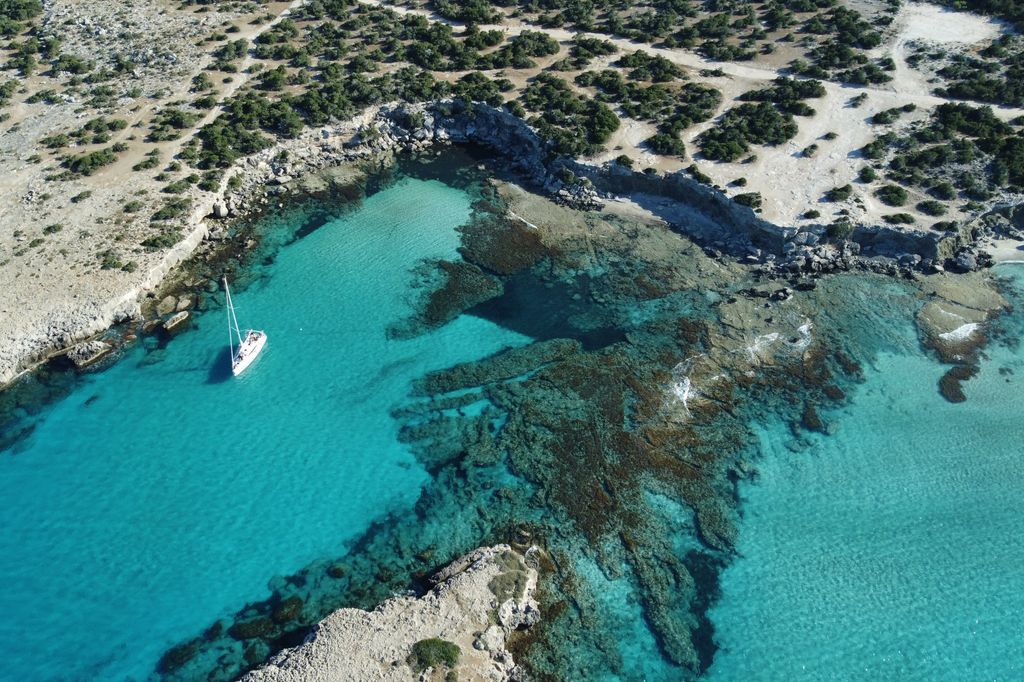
x=220, y=368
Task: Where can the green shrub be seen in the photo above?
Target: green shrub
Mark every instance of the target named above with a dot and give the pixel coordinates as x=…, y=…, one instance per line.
x=891, y=195
x=432, y=653
x=840, y=229
x=751, y=199
x=899, y=219
x=173, y=209
x=839, y=193
x=162, y=241
x=867, y=174
x=932, y=208
x=81, y=196
x=699, y=176
x=943, y=190
x=110, y=261
x=87, y=164
x=55, y=141
x=760, y=123
x=666, y=145
x=53, y=229
x=575, y=125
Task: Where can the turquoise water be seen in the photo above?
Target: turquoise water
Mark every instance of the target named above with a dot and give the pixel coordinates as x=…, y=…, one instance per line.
x=160, y=495
x=893, y=549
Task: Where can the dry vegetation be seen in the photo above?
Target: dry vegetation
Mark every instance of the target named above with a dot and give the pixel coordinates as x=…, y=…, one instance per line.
x=117, y=119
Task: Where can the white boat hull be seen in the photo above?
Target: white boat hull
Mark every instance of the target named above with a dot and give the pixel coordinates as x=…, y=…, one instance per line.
x=247, y=352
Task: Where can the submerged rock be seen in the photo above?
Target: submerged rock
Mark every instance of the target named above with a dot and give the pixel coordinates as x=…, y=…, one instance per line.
x=251, y=629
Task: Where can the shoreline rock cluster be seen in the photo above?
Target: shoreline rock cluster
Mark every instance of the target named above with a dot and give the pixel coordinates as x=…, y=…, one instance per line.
x=703, y=213
x=475, y=605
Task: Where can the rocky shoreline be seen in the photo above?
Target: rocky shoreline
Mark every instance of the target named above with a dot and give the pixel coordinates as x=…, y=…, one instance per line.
x=701, y=212
x=475, y=605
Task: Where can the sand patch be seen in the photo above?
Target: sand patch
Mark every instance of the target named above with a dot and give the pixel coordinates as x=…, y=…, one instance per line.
x=934, y=24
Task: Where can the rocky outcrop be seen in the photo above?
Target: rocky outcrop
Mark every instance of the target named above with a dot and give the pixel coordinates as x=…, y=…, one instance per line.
x=475, y=604
x=88, y=353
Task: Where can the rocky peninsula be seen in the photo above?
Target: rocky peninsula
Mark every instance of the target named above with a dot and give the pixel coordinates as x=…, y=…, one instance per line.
x=476, y=603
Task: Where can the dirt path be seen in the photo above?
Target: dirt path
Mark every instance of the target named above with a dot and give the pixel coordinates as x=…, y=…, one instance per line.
x=691, y=60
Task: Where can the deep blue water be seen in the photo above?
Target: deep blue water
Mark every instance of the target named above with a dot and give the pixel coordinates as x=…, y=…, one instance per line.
x=160, y=496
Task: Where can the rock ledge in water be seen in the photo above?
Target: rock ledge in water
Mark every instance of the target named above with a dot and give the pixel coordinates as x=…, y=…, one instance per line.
x=476, y=602
x=88, y=353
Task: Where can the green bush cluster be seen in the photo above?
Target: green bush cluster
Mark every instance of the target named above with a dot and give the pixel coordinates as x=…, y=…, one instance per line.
x=174, y=208
x=7, y=89
x=582, y=51
x=13, y=14
x=788, y=95
x=944, y=154
x=749, y=123
x=646, y=67
x=433, y=653
x=89, y=163
x=839, y=193
x=169, y=122
x=765, y=118
x=575, y=125
x=468, y=11
x=891, y=115
x=891, y=195
x=751, y=199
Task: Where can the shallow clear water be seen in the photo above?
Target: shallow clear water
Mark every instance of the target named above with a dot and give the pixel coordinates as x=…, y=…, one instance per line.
x=160, y=496
x=893, y=549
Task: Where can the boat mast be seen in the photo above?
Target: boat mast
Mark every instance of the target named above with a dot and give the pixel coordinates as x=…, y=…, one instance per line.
x=232, y=318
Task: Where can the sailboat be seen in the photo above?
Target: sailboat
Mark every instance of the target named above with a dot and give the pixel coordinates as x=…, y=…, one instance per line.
x=249, y=346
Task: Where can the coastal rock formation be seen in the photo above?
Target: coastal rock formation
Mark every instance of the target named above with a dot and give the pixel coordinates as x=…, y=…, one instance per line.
x=88, y=353
x=702, y=212
x=476, y=603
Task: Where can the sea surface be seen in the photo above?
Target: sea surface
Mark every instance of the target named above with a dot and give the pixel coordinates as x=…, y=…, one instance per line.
x=891, y=550
x=161, y=495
